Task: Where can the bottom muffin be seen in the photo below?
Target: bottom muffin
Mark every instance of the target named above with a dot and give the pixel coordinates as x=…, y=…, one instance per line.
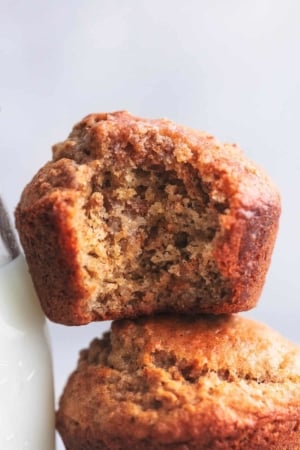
x=184, y=383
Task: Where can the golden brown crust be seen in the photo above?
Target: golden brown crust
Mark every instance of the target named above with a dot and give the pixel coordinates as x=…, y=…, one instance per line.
x=183, y=383
x=77, y=275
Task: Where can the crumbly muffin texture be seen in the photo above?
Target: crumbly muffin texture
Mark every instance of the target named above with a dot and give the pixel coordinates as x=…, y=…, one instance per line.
x=184, y=383
x=135, y=216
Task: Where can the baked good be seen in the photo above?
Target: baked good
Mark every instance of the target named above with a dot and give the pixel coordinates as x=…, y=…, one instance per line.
x=136, y=216
x=184, y=383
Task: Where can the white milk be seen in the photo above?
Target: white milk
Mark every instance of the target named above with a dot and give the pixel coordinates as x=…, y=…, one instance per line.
x=26, y=383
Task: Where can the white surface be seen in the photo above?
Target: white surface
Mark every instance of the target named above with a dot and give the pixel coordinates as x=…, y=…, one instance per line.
x=229, y=67
x=26, y=382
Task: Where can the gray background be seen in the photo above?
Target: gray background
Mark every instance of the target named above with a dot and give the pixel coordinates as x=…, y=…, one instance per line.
x=229, y=67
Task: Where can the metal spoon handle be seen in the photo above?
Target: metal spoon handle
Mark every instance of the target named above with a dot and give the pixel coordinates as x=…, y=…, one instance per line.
x=9, y=243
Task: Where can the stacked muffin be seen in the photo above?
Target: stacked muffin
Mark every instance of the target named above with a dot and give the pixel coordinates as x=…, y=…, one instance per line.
x=166, y=231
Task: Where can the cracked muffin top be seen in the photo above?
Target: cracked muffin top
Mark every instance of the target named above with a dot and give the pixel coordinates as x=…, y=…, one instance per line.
x=184, y=383
x=136, y=216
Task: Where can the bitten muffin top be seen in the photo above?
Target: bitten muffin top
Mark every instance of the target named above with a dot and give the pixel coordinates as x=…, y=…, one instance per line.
x=137, y=216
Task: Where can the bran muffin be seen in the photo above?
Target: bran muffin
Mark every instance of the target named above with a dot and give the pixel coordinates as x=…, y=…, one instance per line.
x=184, y=383
x=135, y=216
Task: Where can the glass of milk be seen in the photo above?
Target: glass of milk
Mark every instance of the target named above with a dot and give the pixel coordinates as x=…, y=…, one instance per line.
x=26, y=380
